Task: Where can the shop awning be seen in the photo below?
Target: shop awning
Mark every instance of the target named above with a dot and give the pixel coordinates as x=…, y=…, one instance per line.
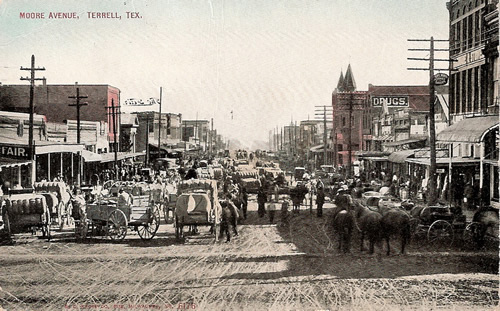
x=375, y=159
x=383, y=138
x=404, y=142
x=8, y=162
x=90, y=156
x=444, y=161
x=109, y=157
x=401, y=156
x=58, y=148
x=470, y=130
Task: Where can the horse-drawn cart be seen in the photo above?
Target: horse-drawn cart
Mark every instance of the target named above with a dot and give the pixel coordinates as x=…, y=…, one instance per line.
x=114, y=218
x=435, y=224
x=197, y=204
x=26, y=212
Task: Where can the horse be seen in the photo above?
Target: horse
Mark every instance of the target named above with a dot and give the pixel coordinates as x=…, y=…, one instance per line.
x=297, y=195
x=229, y=218
x=343, y=221
x=395, y=222
x=369, y=224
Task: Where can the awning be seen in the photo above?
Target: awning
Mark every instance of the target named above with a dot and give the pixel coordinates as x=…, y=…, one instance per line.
x=364, y=154
x=383, y=138
x=470, y=130
x=375, y=159
x=444, y=161
x=90, y=156
x=8, y=162
x=316, y=148
x=404, y=142
x=401, y=156
x=58, y=148
x=109, y=157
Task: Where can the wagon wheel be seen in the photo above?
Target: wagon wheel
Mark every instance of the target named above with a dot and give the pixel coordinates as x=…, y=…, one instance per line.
x=117, y=225
x=473, y=235
x=148, y=231
x=440, y=232
x=46, y=225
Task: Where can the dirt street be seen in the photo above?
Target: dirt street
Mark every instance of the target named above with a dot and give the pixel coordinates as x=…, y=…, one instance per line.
x=267, y=267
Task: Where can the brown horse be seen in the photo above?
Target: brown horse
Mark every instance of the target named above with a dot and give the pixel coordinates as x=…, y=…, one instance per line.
x=395, y=222
x=228, y=219
x=369, y=224
x=343, y=221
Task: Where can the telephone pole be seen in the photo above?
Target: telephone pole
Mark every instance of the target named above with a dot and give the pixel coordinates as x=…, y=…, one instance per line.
x=321, y=112
x=432, y=184
x=32, y=80
x=115, y=145
x=159, y=125
x=78, y=105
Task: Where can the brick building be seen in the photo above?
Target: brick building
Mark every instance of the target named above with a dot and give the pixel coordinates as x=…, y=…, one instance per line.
x=52, y=102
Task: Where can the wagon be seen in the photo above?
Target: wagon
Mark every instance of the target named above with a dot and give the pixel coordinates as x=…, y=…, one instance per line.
x=435, y=224
x=26, y=212
x=197, y=204
x=143, y=215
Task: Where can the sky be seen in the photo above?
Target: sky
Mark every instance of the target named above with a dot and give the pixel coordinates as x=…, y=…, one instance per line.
x=267, y=61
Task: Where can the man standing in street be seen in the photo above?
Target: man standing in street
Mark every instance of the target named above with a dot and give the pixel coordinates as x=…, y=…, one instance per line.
x=261, y=200
x=320, y=200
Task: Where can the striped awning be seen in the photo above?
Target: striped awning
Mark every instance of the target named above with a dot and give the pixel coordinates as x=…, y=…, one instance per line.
x=8, y=162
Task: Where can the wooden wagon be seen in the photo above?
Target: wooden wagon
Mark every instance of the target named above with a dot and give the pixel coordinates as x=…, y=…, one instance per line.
x=26, y=212
x=197, y=204
x=114, y=219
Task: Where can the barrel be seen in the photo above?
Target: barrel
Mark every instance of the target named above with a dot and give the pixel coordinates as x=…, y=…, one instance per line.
x=26, y=206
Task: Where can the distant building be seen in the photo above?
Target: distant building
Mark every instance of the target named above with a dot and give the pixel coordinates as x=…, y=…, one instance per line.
x=147, y=131
x=196, y=131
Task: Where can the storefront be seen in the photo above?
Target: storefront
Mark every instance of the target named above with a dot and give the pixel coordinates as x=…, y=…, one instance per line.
x=475, y=140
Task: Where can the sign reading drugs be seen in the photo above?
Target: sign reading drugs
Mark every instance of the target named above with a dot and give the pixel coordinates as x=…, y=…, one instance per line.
x=390, y=101
x=140, y=102
x=14, y=151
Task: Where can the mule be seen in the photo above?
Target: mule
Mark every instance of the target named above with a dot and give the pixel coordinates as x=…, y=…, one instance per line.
x=369, y=224
x=395, y=222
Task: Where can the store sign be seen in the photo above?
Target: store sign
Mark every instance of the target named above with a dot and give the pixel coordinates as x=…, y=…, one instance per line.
x=390, y=101
x=440, y=79
x=140, y=102
x=14, y=151
x=469, y=58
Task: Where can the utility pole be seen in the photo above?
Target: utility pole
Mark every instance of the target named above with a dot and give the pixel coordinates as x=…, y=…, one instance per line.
x=159, y=125
x=321, y=112
x=78, y=105
x=432, y=184
x=211, y=136
x=115, y=145
x=147, y=139
x=32, y=80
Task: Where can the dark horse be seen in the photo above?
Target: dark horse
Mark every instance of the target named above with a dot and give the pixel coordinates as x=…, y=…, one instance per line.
x=343, y=221
x=369, y=224
x=297, y=196
x=228, y=219
x=395, y=222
